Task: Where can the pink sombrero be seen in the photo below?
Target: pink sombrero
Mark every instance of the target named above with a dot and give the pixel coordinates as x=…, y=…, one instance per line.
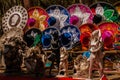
x=37, y=18
x=80, y=14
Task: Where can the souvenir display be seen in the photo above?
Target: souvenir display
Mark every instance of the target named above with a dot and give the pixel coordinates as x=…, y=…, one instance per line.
x=16, y=16
x=104, y=12
x=80, y=14
x=69, y=36
x=109, y=31
x=50, y=38
x=59, y=16
x=86, y=30
x=37, y=18
x=32, y=37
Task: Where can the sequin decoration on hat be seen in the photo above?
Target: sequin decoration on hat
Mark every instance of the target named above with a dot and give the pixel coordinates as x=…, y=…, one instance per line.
x=37, y=18
x=50, y=38
x=69, y=36
x=59, y=16
x=32, y=37
x=16, y=16
x=105, y=10
x=80, y=14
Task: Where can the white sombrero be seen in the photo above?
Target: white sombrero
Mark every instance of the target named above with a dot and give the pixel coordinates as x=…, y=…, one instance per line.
x=15, y=17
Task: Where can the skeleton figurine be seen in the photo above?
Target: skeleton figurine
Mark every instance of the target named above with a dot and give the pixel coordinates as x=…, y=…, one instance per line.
x=81, y=66
x=63, y=66
x=96, y=55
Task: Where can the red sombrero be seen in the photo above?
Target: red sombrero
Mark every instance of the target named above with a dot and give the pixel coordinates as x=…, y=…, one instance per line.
x=37, y=18
x=109, y=31
x=86, y=30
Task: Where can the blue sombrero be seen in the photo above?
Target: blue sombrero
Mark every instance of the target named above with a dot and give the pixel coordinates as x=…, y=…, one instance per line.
x=50, y=38
x=69, y=36
x=32, y=37
x=59, y=16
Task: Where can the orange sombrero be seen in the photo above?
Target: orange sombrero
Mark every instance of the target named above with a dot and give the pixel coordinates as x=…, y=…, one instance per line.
x=86, y=30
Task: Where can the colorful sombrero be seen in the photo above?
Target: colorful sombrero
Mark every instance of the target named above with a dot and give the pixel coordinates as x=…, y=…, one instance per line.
x=59, y=16
x=86, y=30
x=109, y=31
x=69, y=36
x=37, y=18
x=50, y=38
x=32, y=37
x=15, y=17
x=80, y=14
x=104, y=12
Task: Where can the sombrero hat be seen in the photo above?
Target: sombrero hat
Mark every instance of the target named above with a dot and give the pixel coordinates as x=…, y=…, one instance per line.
x=32, y=37
x=86, y=30
x=104, y=12
x=80, y=14
x=69, y=36
x=50, y=38
x=59, y=16
x=15, y=17
x=37, y=18
x=109, y=31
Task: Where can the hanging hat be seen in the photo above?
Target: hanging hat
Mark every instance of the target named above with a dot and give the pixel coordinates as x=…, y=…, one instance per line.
x=32, y=37
x=105, y=11
x=86, y=30
x=80, y=14
x=50, y=38
x=37, y=18
x=69, y=36
x=109, y=31
x=15, y=17
x=59, y=16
